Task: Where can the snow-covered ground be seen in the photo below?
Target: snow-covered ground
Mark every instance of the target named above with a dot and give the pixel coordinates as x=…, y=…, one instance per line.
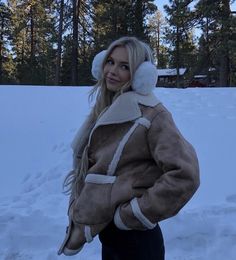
x=37, y=125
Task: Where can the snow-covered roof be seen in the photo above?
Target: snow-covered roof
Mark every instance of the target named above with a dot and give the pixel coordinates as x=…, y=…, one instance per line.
x=200, y=76
x=170, y=72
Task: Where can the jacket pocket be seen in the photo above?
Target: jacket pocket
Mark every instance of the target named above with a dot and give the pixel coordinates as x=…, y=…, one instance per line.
x=94, y=203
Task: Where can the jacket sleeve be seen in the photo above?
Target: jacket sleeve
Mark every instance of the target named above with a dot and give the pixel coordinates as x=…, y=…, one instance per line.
x=179, y=180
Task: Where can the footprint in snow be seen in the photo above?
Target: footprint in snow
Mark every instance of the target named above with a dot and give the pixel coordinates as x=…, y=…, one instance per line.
x=231, y=198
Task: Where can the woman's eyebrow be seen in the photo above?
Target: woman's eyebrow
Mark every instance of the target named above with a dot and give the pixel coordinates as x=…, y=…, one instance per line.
x=124, y=62
x=120, y=61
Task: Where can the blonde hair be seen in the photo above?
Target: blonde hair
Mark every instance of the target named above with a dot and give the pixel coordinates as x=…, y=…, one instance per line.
x=138, y=52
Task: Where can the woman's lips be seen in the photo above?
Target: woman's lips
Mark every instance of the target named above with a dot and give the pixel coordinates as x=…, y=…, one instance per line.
x=111, y=80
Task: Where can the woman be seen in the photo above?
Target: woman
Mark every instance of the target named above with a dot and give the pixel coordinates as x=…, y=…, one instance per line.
x=132, y=167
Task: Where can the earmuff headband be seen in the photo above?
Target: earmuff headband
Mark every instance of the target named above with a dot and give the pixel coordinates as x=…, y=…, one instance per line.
x=144, y=80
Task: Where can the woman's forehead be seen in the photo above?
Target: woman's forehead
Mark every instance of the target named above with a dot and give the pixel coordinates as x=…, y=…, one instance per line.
x=120, y=53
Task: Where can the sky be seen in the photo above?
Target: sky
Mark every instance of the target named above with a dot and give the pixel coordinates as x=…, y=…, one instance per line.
x=37, y=125
x=160, y=4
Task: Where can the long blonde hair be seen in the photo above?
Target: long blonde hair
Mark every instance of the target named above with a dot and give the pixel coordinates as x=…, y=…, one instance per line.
x=138, y=52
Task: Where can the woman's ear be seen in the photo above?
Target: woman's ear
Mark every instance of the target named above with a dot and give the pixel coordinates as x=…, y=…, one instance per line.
x=97, y=64
x=145, y=78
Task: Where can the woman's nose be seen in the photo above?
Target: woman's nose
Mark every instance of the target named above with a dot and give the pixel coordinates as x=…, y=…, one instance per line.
x=113, y=69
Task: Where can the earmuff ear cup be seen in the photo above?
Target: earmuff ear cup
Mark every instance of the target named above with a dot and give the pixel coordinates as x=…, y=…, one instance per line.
x=97, y=64
x=144, y=80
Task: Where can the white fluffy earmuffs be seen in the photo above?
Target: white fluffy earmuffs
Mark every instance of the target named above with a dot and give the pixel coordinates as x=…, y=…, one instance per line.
x=144, y=80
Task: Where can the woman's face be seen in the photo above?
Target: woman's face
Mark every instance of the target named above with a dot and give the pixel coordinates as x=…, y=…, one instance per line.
x=116, y=69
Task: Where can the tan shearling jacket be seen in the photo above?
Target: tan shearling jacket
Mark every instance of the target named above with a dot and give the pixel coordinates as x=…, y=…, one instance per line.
x=141, y=168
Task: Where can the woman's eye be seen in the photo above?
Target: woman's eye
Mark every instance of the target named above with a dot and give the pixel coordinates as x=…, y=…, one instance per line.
x=125, y=67
x=109, y=61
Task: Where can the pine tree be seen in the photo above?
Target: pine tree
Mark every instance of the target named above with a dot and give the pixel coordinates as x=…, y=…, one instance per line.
x=77, y=45
x=59, y=41
x=225, y=17
x=216, y=23
x=179, y=35
x=141, y=10
x=232, y=50
x=114, y=19
x=5, y=57
x=86, y=46
x=33, y=40
x=156, y=27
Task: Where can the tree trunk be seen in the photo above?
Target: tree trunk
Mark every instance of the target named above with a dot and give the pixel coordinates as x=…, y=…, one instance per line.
x=1, y=62
x=208, y=58
x=224, y=53
x=177, y=57
x=59, y=48
x=32, y=47
x=158, y=41
x=74, y=69
x=139, y=31
x=1, y=47
x=32, y=40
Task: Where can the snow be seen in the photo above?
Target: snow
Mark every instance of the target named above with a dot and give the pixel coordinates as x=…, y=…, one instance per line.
x=37, y=125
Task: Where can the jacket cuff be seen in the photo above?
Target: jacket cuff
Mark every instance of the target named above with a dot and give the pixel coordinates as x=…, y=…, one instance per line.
x=129, y=216
x=140, y=216
x=118, y=221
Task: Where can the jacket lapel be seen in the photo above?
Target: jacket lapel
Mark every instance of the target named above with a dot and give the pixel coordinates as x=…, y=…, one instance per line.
x=125, y=108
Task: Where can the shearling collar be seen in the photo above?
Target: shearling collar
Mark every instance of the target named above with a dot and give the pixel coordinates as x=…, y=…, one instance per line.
x=126, y=108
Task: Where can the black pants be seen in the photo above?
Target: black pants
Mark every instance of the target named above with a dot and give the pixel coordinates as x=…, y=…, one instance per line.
x=132, y=245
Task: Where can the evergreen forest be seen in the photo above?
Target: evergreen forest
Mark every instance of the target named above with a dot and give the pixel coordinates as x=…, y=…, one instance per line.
x=53, y=42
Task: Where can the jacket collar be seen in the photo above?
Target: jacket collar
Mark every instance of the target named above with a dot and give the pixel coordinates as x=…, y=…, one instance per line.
x=126, y=108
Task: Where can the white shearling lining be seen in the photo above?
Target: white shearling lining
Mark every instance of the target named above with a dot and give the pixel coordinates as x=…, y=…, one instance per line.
x=99, y=179
x=87, y=234
x=145, y=122
x=118, y=221
x=139, y=215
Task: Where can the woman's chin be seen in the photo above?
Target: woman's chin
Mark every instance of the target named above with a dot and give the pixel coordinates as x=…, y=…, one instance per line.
x=113, y=87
